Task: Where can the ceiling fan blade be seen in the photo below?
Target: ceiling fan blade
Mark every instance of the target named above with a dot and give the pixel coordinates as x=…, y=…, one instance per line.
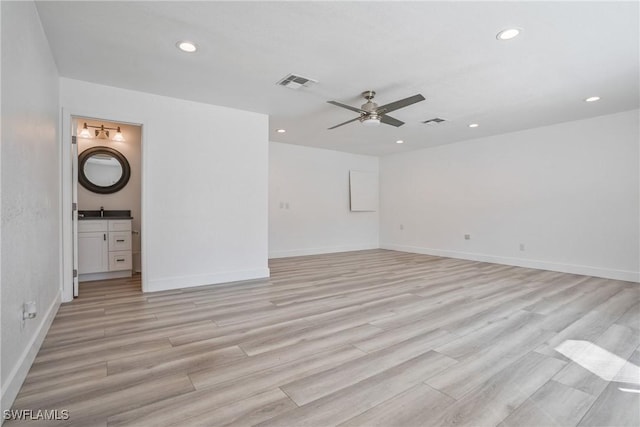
x=348, y=121
x=391, y=121
x=387, y=108
x=348, y=107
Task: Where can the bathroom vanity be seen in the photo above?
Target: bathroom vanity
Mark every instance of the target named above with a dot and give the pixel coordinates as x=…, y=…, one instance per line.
x=104, y=245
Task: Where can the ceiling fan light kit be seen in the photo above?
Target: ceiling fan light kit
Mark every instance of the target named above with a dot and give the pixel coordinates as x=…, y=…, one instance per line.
x=372, y=115
x=370, y=121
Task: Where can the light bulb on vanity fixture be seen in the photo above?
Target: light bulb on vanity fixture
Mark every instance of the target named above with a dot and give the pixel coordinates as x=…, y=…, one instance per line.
x=118, y=136
x=102, y=133
x=84, y=133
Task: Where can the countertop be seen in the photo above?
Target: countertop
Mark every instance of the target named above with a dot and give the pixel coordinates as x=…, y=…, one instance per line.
x=85, y=214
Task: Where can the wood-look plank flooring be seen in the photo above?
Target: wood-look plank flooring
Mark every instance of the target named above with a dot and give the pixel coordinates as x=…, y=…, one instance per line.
x=368, y=338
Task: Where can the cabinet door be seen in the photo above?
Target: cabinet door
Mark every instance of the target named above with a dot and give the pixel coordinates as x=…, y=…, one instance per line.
x=93, y=255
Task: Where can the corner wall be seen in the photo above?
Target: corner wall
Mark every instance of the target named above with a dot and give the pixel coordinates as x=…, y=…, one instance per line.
x=30, y=188
x=204, y=183
x=568, y=192
x=309, y=202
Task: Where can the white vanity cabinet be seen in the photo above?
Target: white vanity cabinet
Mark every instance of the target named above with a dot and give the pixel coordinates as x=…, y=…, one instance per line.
x=104, y=249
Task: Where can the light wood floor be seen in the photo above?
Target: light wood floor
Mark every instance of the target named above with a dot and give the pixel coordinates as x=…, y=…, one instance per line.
x=352, y=339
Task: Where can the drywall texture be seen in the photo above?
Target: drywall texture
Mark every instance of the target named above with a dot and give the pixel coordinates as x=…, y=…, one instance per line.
x=309, y=202
x=129, y=198
x=569, y=193
x=204, y=184
x=30, y=191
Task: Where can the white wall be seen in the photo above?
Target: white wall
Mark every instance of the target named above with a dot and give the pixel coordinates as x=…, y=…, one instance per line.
x=204, y=183
x=129, y=198
x=30, y=191
x=568, y=192
x=314, y=184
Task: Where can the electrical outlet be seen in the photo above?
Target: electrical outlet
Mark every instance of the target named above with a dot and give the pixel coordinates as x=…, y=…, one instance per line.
x=29, y=311
x=467, y=237
x=401, y=226
x=522, y=246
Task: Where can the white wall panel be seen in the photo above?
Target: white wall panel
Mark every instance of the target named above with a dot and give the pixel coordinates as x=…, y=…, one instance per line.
x=309, y=209
x=569, y=193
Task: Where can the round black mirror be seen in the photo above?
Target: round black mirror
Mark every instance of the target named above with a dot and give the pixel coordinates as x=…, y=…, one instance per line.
x=103, y=170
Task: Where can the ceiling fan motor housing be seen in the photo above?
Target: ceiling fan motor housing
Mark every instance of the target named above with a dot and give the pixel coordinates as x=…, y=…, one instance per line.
x=369, y=107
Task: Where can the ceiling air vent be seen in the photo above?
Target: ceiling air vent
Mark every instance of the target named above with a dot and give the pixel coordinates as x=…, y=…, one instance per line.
x=293, y=81
x=434, y=121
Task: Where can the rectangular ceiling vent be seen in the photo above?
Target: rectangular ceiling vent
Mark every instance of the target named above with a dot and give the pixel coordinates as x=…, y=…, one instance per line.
x=434, y=121
x=293, y=81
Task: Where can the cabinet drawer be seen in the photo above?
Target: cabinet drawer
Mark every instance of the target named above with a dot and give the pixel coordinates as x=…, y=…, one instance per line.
x=119, y=241
x=90, y=225
x=120, y=225
x=119, y=260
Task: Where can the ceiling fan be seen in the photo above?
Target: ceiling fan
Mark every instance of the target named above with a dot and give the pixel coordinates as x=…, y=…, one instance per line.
x=372, y=115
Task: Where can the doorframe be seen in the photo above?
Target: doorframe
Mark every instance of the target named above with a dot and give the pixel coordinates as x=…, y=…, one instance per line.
x=66, y=240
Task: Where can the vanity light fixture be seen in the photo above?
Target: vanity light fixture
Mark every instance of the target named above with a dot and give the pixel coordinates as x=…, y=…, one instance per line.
x=101, y=132
x=399, y=141
x=186, y=46
x=592, y=99
x=474, y=125
x=281, y=130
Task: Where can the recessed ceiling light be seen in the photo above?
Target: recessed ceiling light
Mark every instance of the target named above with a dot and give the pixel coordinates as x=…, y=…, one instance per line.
x=474, y=125
x=592, y=99
x=186, y=46
x=508, y=34
x=281, y=130
x=399, y=141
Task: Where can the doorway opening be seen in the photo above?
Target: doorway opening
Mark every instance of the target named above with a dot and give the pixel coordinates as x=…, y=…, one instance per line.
x=107, y=201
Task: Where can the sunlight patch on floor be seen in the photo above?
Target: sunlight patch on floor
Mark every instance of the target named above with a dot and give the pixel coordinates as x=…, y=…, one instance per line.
x=629, y=390
x=599, y=361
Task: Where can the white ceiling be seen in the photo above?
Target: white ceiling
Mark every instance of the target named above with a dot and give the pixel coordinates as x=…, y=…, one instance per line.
x=446, y=51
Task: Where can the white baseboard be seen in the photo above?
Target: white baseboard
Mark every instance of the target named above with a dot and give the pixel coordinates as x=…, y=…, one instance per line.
x=631, y=276
x=179, y=282
x=11, y=385
x=322, y=250
x=105, y=276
